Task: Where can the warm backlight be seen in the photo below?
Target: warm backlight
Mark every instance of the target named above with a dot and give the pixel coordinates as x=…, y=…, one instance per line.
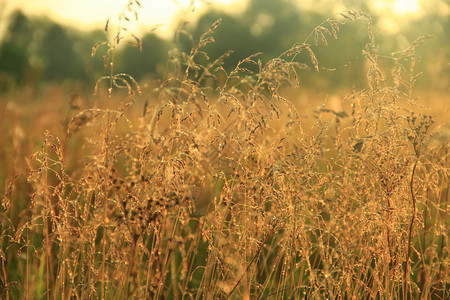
x=403, y=7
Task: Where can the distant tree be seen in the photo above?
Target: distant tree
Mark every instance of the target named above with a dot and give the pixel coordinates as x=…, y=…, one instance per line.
x=14, y=61
x=39, y=50
x=273, y=26
x=433, y=56
x=267, y=26
x=20, y=28
x=14, y=52
x=151, y=60
x=93, y=65
x=60, y=58
x=40, y=46
x=232, y=34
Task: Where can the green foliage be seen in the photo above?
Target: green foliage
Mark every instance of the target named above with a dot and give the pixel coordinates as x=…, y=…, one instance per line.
x=60, y=60
x=14, y=61
x=148, y=60
x=37, y=50
x=14, y=54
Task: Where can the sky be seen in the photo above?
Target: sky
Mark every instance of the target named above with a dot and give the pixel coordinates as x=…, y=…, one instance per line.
x=90, y=14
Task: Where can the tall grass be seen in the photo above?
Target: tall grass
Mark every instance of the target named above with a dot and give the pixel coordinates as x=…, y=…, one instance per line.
x=219, y=188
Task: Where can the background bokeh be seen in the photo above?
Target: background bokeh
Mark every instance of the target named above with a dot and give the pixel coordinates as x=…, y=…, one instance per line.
x=38, y=48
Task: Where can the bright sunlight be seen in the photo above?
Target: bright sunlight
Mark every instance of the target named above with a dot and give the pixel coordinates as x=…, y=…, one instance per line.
x=403, y=7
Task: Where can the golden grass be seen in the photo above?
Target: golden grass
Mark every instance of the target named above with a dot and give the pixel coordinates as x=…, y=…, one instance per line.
x=235, y=192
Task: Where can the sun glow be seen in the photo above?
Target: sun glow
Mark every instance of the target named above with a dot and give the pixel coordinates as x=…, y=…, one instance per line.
x=403, y=7
x=88, y=14
x=396, y=14
x=398, y=7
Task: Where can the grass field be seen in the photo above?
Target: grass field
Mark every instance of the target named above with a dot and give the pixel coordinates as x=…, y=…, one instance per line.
x=210, y=184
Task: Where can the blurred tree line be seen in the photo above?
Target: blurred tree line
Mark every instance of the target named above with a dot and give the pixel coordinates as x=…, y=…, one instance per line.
x=38, y=51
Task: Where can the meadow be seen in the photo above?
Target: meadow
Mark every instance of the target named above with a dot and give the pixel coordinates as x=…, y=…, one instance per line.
x=216, y=184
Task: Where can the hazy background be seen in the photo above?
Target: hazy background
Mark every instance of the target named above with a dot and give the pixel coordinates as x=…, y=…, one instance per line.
x=50, y=41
